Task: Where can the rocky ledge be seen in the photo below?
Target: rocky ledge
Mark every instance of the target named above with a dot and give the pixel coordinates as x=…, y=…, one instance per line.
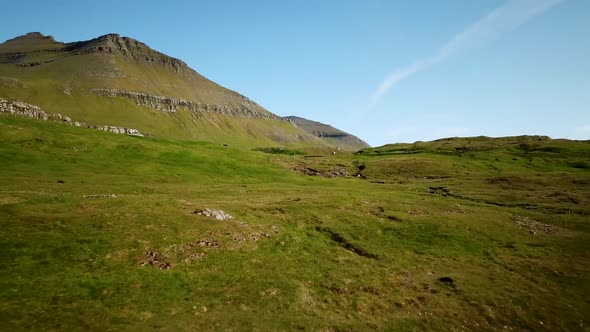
x=20, y=108
x=248, y=109
x=129, y=48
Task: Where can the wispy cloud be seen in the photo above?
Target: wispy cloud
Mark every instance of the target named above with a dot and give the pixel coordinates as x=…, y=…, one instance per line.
x=507, y=17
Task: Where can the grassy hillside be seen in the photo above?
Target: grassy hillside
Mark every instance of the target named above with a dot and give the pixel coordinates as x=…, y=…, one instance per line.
x=60, y=78
x=329, y=134
x=489, y=238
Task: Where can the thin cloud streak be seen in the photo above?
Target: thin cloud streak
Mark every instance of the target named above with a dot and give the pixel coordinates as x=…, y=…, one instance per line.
x=503, y=19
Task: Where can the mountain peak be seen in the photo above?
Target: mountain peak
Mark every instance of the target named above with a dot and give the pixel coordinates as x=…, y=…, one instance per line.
x=118, y=39
x=30, y=41
x=37, y=35
x=109, y=44
x=114, y=43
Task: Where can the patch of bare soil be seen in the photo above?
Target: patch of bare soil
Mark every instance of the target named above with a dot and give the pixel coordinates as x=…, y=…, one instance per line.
x=336, y=171
x=343, y=242
x=380, y=212
x=155, y=259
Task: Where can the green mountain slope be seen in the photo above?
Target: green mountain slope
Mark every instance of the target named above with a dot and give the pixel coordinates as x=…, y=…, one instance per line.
x=122, y=82
x=329, y=134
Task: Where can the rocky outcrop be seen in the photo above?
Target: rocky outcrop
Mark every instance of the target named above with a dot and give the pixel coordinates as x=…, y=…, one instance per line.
x=247, y=109
x=129, y=48
x=215, y=214
x=118, y=130
x=333, y=135
x=20, y=108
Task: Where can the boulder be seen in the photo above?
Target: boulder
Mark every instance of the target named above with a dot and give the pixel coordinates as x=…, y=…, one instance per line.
x=215, y=214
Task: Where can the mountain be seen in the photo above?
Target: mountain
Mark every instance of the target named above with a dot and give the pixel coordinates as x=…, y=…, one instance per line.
x=329, y=134
x=119, y=81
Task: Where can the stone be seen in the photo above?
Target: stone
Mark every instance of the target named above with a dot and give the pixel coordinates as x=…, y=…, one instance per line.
x=23, y=109
x=100, y=196
x=215, y=214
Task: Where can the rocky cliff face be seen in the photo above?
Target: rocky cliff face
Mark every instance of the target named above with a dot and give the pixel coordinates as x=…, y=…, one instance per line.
x=247, y=109
x=20, y=108
x=129, y=48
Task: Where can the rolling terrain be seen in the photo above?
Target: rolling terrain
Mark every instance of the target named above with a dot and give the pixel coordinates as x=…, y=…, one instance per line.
x=110, y=232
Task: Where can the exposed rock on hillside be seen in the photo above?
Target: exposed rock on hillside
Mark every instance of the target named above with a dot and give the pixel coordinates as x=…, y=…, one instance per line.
x=130, y=48
x=171, y=104
x=20, y=108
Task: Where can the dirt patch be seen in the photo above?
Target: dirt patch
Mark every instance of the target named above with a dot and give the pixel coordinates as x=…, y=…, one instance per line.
x=500, y=180
x=270, y=292
x=10, y=200
x=247, y=236
x=447, y=281
x=100, y=196
x=440, y=191
x=191, y=251
x=563, y=198
x=201, y=243
x=360, y=167
x=417, y=212
x=207, y=243
x=337, y=171
x=155, y=259
x=258, y=236
x=341, y=241
x=241, y=237
x=193, y=257
x=380, y=212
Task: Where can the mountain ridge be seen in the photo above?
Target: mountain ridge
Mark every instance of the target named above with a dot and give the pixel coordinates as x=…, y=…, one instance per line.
x=329, y=134
x=121, y=81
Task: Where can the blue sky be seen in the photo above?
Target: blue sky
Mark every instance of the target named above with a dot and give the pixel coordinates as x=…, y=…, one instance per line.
x=387, y=71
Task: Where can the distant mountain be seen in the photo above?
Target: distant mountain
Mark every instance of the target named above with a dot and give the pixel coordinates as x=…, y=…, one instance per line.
x=329, y=134
x=122, y=82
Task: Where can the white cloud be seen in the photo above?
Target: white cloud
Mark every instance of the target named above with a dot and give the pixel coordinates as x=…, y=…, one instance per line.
x=507, y=17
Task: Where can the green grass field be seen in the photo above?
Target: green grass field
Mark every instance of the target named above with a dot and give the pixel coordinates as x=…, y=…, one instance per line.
x=465, y=234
